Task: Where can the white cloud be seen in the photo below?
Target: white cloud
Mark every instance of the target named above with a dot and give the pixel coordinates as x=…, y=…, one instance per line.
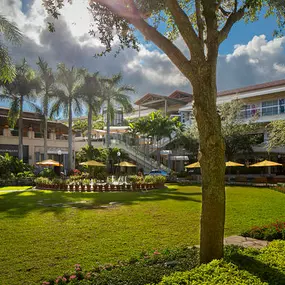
x=279, y=67
x=257, y=61
x=148, y=70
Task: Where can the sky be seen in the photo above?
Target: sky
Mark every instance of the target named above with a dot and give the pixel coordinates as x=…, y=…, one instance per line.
x=249, y=56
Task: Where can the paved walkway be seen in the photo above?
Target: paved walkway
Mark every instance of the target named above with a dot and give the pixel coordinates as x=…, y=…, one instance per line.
x=245, y=242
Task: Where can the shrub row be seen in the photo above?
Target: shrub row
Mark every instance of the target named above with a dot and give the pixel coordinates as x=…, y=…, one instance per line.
x=268, y=232
x=151, y=179
x=240, y=266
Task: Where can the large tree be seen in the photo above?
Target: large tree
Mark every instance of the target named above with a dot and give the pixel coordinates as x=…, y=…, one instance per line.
x=11, y=34
x=21, y=90
x=203, y=25
x=67, y=101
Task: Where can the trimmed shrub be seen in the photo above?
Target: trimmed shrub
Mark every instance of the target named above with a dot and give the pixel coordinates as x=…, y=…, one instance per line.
x=213, y=273
x=268, y=232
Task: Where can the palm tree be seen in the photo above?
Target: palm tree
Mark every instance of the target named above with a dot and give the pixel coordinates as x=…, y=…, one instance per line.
x=11, y=34
x=113, y=93
x=21, y=90
x=48, y=90
x=67, y=100
x=90, y=93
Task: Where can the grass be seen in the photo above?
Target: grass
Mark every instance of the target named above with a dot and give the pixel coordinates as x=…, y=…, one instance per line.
x=10, y=188
x=38, y=242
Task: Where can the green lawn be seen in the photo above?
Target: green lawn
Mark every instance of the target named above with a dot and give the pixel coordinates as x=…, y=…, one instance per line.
x=10, y=188
x=39, y=241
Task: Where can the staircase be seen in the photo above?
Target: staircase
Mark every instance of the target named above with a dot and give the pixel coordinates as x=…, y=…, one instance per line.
x=142, y=160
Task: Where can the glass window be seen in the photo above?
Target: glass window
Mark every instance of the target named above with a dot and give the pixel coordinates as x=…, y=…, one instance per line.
x=270, y=108
x=282, y=105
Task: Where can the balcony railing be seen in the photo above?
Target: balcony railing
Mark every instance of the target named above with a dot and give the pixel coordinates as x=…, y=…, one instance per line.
x=262, y=111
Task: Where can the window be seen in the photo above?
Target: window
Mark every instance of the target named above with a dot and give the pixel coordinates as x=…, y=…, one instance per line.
x=270, y=108
x=281, y=106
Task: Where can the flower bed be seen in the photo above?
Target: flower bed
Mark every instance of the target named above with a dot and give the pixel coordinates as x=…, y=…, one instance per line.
x=84, y=185
x=268, y=232
x=240, y=266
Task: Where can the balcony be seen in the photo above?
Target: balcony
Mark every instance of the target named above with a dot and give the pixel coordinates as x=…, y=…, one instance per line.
x=264, y=114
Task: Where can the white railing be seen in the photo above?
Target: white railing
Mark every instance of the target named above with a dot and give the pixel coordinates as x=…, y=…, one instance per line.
x=262, y=111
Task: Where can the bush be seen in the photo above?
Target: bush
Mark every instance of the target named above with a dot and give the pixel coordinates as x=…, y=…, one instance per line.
x=10, y=165
x=25, y=174
x=268, y=232
x=268, y=263
x=43, y=181
x=149, y=179
x=47, y=172
x=213, y=273
x=159, y=179
x=135, y=179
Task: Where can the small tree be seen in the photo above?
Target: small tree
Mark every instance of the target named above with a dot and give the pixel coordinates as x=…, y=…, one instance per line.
x=276, y=130
x=239, y=135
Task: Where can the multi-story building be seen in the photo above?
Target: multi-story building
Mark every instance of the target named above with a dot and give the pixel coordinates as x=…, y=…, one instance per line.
x=33, y=138
x=265, y=102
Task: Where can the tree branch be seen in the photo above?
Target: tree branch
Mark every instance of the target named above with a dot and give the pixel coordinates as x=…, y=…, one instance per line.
x=232, y=19
x=132, y=15
x=224, y=12
x=185, y=27
x=199, y=20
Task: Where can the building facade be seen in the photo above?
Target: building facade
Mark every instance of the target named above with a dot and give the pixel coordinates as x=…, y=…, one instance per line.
x=33, y=138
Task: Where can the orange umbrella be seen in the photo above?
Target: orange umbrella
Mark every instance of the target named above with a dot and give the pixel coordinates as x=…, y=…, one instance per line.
x=49, y=162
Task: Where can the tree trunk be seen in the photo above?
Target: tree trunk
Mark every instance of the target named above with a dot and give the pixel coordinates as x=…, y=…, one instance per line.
x=20, y=130
x=70, y=154
x=45, y=131
x=108, y=126
x=212, y=160
x=89, y=126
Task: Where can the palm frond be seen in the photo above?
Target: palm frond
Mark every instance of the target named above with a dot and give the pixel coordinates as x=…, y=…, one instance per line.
x=7, y=68
x=11, y=31
x=13, y=114
x=77, y=107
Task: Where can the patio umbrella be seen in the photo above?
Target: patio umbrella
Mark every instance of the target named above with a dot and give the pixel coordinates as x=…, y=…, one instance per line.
x=193, y=165
x=233, y=164
x=49, y=162
x=92, y=163
x=125, y=164
x=265, y=163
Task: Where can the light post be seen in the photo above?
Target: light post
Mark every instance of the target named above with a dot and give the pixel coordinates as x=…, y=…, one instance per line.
x=59, y=152
x=118, y=155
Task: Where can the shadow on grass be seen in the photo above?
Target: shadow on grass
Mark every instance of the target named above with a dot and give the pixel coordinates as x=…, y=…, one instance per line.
x=261, y=270
x=20, y=203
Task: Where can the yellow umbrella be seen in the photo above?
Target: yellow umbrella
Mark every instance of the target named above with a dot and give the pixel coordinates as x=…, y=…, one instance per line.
x=265, y=163
x=231, y=163
x=193, y=165
x=125, y=164
x=49, y=162
x=92, y=163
